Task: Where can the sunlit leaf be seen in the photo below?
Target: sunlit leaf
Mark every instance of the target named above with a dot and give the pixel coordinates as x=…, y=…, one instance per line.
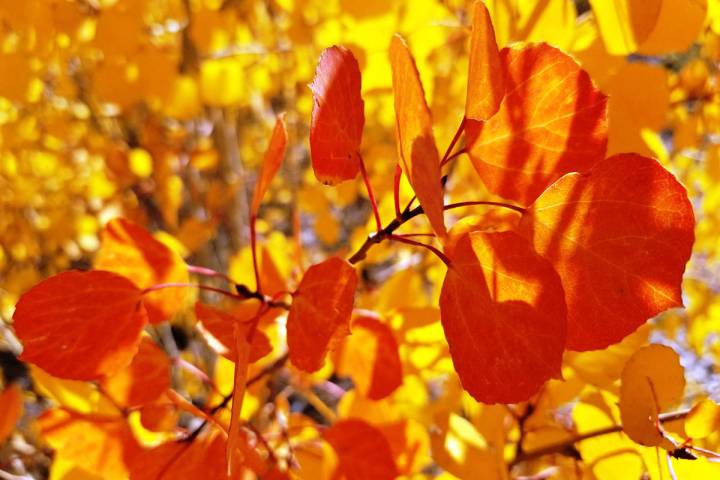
x=363, y=452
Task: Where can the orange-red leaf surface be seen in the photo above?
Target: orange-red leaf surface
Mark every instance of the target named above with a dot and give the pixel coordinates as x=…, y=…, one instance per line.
x=221, y=327
x=619, y=236
x=419, y=156
x=130, y=250
x=80, y=325
x=363, y=451
x=271, y=162
x=486, y=75
x=504, y=317
x=144, y=380
x=103, y=446
x=320, y=312
x=551, y=121
x=370, y=356
x=338, y=117
x=11, y=406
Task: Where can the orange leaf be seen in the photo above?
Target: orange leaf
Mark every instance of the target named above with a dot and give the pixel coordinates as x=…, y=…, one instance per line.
x=221, y=328
x=130, y=250
x=619, y=237
x=80, y=325
x=338, y=117
x=242, y=349
x=503, y=313
x=552, y=121
x=486, y=77
x=320, y=312
x=271, y=163
x=11, y=406
x=363, y=451
x=370, y=356
x=101, y=446
x=144, y=380
x=419, y=156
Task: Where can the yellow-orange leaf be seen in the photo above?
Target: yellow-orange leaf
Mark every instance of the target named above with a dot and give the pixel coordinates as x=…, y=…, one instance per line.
x=320, y=312
x=271, y=162
x=551, y=121
x=504, y=317
x=363, y=451
x=80, y=325
x=651, y=382
x=419, y=156
x=619, y=236
x=486, y=77
x=130, y=250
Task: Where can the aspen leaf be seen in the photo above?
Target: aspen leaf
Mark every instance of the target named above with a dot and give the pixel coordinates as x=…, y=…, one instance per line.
x=220, y=328
x=320, y=312
x=144, y=380
x=363, y=451
x=80, y=325
x=271, y=162
x=619, y=236
x=503, y=313
x=419, y=157
x=703, y=420
x=130, y=250
x=338, y=117
x=486, y=78
x=11, y=406
x=551, y=121
x=652, y=381
x=370, y=356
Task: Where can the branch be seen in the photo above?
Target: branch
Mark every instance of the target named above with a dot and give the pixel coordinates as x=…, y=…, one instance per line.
x=560, y=447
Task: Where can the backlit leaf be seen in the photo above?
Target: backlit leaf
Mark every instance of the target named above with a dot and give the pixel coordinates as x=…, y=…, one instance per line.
x=80, y=325
x=503, y=313
x=221, y=327
x=338, y=117
x=130, y=250
x=551, y=121
x=704, y=419
x=652, y=381
x=320, y=312
x=619, y=236
x=271, y=162
x=486, y=77
x=419, y=156
x=363, y=452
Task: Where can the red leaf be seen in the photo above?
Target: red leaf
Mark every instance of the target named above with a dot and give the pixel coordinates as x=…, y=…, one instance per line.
x=370, y=356
x=130, y=250
x=320, y=312
x=552, y=121
x=271, y=162
x=144, y=380
x=486, y=77
x=338, y=117
x=220, y=325
x=80, y=325
x=363, y=451
x=419, y=156
x=11, y=406
x=504, y=317
x=619, y=237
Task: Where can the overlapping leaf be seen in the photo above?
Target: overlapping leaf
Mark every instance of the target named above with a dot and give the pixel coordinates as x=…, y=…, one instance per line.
x=221, y=326
x=552, y=121
x=363, y=452
x=338, y=117
x=320, y=312
x=486, y=76
x=419, y=156
x=80, y=325
x=504, y=317
x=619, y=237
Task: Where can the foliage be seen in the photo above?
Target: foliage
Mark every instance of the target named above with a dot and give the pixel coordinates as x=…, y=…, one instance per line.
x=195, y=282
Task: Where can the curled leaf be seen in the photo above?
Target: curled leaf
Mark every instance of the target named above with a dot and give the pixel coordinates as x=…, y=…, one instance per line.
x=504, y=317
x=80, y=325
x=338, y=117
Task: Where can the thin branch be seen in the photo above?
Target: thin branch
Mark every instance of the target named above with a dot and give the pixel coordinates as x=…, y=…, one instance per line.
x=484, y=202
x=208, y=272
x=407, y=241
x=560, y=447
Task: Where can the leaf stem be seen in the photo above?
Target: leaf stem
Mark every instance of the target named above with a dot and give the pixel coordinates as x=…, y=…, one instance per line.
x=253, y=249
x=396, y=189
x=208, y=272
x=447, y=157
x=408, y=241
x=371, y=195
x=484, y=202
